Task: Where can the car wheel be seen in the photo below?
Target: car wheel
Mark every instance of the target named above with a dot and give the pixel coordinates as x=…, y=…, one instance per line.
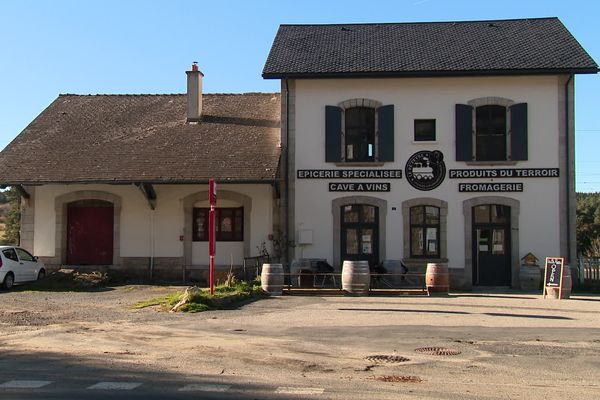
x=41, y=274
x=9, y=281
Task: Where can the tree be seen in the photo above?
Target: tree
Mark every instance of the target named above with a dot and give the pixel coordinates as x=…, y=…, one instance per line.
x=12, y=225
x=588, y=223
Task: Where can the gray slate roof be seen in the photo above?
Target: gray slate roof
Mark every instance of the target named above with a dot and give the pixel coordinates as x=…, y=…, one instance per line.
x=529, y=46
x=145, y=138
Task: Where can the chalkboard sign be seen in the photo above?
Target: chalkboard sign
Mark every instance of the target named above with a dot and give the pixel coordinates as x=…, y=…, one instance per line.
x=553, y=275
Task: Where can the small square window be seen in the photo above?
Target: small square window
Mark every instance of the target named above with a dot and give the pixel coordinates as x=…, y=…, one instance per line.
x=424, y=130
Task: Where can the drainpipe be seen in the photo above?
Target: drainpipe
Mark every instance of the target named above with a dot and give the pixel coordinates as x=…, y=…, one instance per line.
x=287, y=173
x=151, y=244
x=568, y=180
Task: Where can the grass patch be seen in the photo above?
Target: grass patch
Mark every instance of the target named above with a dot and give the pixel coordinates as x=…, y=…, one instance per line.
x=227, y=295
x=68, y=280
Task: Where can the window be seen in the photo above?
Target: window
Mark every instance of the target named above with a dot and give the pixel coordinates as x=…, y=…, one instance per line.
x=491, y=130
x=10, y=254
x=424, y=130
x=359, y=130
x=229, y=224
x=24, y=255
x=490, y=133
x=424, y=232
x=360, y=134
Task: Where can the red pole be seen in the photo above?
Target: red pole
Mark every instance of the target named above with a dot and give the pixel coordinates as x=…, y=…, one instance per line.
x=212, y=189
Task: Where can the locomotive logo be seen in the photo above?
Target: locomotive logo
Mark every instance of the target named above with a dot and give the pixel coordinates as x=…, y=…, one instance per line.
x=425, y=170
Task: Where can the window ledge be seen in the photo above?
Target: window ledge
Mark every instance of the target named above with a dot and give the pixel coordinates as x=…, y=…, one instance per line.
x=507, y=162
x=424, y=142
x=360, y=164
x=426, y=260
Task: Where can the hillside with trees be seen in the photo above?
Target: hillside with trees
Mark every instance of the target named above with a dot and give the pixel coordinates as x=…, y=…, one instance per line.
x=10, y=217
x=588, y=224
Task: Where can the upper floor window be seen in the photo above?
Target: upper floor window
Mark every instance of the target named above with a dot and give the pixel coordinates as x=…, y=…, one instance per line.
x=424, y=130
x=359, y=130
x=360, y=134
x=491, y=129
x=490, y=133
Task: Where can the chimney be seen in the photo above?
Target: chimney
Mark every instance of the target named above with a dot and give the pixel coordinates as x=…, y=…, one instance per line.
x=194, y=93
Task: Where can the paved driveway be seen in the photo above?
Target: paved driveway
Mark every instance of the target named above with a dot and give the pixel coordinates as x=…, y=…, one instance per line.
x=511, y=346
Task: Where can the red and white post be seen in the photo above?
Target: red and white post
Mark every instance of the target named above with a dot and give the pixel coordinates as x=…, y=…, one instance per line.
x=212, y=189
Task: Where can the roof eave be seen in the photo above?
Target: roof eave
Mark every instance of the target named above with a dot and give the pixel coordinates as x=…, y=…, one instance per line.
x=423, y=74
x=138, y=181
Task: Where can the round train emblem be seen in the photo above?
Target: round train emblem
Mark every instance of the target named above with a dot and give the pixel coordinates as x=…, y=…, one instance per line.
x=425, y=170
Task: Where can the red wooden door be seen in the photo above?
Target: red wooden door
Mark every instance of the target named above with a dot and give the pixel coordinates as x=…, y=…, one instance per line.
x=90, y=235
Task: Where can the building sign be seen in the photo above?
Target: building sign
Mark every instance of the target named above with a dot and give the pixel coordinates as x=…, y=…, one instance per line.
x=425, y=170
x=349, y=174
x=359, y=186
x=503, y=173
x=479, y=187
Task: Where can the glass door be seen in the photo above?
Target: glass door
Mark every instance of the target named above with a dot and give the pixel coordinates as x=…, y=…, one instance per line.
x=360, y=233
x=491, y=245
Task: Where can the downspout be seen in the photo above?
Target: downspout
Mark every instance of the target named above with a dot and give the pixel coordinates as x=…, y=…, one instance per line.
x=568, y=180
x=287, y=173
x=151, y=244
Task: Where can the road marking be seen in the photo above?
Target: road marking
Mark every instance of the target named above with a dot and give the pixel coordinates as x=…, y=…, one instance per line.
x=205, y=388
x=115, y=385
x=298, y=390
x=24, y=384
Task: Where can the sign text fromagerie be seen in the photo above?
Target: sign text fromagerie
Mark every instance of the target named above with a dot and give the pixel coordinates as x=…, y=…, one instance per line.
x=349, y=174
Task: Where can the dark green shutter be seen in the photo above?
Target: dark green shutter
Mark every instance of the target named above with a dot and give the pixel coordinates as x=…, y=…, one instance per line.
x=518, y=129
x=333, y=134
x=385, y=120
x=464, y=132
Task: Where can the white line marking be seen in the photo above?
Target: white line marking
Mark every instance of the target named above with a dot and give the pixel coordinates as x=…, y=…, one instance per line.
x=298, y=390
x=24, y=384
x=204, y=388
x=115, y=385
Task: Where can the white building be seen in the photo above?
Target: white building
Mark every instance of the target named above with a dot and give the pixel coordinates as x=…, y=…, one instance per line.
x=416, y=142
x=430, y=142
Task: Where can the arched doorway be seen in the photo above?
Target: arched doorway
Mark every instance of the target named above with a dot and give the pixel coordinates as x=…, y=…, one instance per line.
x=491, y=245
x=90, y=226
x=371, y=222
x=359, y=233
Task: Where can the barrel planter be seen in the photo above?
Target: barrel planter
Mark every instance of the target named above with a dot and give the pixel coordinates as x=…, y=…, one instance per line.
x=566, y=286
x=271, y=279
x=530, y=278
x=437, y=279
x=356, y=277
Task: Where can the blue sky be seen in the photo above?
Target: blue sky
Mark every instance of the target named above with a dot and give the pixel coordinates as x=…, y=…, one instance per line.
x=130, y=46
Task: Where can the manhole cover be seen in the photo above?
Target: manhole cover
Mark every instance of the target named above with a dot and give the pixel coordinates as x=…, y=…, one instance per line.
x=386, y=358
x=437, y=351
x=398, y=378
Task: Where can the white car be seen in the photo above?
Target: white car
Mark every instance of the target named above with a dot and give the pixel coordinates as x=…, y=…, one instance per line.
x=18, y=265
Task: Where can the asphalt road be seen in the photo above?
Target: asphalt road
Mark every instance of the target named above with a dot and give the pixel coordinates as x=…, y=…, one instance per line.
x=94, y=346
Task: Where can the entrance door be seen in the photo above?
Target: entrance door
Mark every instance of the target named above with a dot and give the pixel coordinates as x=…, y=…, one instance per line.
x=491, y=245
x=360, y=233
x=90, y=232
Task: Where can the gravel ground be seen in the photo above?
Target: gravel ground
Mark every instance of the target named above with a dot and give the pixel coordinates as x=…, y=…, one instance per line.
x=508, y=343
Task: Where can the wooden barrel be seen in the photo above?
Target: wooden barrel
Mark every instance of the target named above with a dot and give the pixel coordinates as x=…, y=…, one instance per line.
x=437, y=279
x=566, y=285
x=530, y=277
x=271, y=279
x=356, y=277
